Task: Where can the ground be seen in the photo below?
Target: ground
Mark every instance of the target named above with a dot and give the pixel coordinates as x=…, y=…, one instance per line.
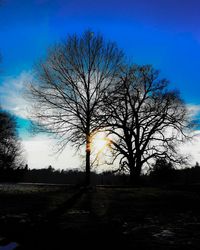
x=50, y=217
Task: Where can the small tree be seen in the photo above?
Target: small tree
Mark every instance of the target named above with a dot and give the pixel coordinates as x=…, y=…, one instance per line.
x=70, y=88
x=10, y=146
x=145, y=121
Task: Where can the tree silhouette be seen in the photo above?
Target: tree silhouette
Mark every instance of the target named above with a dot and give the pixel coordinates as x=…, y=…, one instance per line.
x=71, y=85
x=145, y=121
x=10, y=146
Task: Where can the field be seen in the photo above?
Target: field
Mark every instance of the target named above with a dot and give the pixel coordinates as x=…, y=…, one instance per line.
x=65, y=217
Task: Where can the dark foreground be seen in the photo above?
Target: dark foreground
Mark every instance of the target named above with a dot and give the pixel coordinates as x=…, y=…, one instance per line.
x=61, y=217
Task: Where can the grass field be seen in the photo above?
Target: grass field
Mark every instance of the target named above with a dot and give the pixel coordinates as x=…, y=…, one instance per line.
x=50, y=217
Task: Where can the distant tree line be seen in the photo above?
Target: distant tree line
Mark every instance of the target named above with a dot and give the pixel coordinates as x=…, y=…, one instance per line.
x=162, y=174
x=50, y=175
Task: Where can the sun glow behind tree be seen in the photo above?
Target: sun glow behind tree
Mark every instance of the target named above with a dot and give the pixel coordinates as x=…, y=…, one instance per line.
x=101, y=147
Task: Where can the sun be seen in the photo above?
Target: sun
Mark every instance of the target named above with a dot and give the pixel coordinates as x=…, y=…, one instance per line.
x=100, y=142
x=101, y=147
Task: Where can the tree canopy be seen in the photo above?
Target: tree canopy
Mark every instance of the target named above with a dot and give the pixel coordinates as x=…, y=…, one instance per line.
x=70, y=88
x=145, y=120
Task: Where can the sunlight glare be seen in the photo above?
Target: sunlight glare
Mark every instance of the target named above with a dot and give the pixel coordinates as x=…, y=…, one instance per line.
x=100, y=142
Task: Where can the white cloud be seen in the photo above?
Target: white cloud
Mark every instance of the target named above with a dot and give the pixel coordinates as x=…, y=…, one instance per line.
x=193, y=109
x=40, y=154
x=11, y=94
x=39, y=150
x=192, y=148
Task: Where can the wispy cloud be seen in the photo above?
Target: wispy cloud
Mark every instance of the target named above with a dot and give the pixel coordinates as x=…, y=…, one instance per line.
x=194, y=110
x=12, y=94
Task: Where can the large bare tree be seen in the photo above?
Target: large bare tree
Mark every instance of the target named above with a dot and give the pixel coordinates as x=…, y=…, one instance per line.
x=70, y=87
x=145, y=120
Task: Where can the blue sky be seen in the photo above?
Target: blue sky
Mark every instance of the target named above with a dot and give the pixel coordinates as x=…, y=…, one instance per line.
x=164, y=33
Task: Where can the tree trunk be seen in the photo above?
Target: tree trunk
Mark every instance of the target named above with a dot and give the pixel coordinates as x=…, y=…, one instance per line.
x=135, y=171
x=87, y=167
x=131, y=175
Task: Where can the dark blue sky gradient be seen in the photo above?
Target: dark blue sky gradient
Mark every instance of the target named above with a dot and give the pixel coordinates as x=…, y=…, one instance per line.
x=164, y=33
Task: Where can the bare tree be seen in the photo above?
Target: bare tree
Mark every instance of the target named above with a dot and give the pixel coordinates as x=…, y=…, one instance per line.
x=145, y=120
x=71, y=85
x=11, y=153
